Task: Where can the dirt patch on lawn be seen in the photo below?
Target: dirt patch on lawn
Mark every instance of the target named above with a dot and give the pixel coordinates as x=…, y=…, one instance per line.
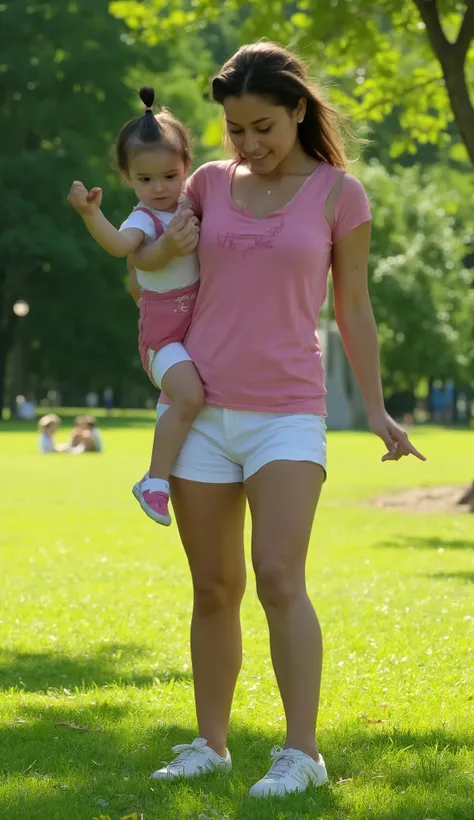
x=444, y=499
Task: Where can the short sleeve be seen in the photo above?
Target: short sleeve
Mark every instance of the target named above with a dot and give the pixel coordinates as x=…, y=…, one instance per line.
x=142, y=221
x=352, y=208
x=195, y=189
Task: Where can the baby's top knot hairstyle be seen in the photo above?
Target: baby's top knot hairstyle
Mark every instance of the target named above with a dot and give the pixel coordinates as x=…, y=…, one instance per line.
x=163, y=129
x=147, y=96
x=149, y=128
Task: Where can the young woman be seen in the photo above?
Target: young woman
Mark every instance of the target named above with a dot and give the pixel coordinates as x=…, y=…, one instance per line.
x=273, y=220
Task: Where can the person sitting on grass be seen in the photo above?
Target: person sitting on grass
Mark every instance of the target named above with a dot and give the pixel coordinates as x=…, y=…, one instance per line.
x=85, y=437
x=91, y=435
x=47, y=427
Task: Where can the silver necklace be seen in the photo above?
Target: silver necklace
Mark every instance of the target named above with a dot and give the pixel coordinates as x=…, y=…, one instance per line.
x=243, y=205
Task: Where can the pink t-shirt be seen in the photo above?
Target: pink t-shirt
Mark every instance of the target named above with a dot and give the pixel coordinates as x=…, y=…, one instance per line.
x=253, y=335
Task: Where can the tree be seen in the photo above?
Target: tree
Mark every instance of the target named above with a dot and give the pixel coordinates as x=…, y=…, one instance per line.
x=414, y=57
x=452, y=58
x=59, y=107
x=411, y=56
x=422, y=294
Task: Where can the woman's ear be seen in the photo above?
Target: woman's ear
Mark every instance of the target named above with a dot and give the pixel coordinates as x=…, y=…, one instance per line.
x=301, y=110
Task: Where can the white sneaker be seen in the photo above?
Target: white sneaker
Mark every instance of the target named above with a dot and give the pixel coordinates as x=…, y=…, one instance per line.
x=137, y=487
x=291, y=771
x=193, y=759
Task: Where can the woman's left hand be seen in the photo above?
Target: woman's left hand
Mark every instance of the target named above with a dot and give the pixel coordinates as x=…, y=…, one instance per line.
x=393, y=436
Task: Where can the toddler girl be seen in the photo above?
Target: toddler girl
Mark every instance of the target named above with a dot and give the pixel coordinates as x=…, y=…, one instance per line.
x=153, y=156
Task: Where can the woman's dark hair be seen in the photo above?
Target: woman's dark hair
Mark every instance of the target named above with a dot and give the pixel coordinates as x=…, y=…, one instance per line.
x=275, y=73
x=161, y=129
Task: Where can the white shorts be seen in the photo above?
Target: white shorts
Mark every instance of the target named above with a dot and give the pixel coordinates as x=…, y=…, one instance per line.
x=227, y=446
x=160, y=362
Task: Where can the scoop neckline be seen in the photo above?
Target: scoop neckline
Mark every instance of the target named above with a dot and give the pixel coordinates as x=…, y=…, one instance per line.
x=245, y=212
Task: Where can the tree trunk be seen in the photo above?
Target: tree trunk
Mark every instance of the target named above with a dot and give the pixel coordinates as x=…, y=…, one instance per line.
x=459, y=97
x=3, y=367
x=452, y=58
x=7, y=334
x=6, y=342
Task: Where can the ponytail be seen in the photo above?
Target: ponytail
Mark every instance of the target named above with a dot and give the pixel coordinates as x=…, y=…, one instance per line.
x=149, y=130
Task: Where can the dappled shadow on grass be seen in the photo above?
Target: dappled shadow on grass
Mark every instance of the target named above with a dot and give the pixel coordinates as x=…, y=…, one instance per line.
x=53, y=771
x=430, y=542
x=107, y=664
x=417, y=774
x=412, y=806
x=398, y=775
x=466, y=577
x=105, y=771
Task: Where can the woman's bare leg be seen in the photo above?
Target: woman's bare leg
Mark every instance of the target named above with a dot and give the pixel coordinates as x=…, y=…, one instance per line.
x=210, y=519
x=280, y=538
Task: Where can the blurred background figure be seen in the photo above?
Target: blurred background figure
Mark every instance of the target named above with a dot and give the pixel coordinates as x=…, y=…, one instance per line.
x=77, y=435
x=108, y=399
x=85, y=437
x=92, y=434
x=47, y=427
x=442, y=402
x=25, y=408
x=92, y=399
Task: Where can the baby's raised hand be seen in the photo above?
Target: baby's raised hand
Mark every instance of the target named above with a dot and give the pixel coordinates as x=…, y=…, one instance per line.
x=85, y=202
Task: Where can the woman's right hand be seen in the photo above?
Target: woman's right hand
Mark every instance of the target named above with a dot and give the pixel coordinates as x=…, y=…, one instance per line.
x=182, y=234
x=85, y=202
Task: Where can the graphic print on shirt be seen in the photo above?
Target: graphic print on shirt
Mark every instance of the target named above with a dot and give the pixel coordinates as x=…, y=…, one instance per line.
x=185, y=303
x=249, y=242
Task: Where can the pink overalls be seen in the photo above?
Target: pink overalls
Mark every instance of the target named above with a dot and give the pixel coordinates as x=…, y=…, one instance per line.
x=164, y=317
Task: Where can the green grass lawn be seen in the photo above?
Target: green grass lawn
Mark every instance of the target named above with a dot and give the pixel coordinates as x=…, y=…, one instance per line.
x=95, y=605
